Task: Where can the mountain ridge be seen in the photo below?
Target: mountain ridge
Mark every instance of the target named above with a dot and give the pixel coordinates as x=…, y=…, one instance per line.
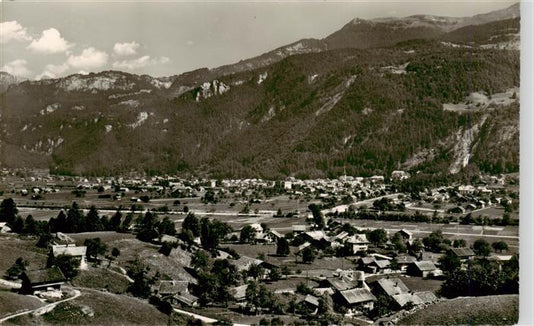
x=309, y=115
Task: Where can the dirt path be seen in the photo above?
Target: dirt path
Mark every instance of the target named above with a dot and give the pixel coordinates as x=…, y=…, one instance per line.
x=200, y=317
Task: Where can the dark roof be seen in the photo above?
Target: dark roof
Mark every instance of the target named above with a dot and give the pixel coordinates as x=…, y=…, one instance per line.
x=463, y=252
x=43, y=276
x=357, y=296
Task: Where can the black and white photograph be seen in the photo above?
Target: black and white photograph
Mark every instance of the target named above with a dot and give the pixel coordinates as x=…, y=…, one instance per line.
x=265, y=163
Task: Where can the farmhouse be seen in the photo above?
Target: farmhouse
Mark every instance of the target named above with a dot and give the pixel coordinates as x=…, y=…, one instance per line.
x=360, y=299
x=463, y=254
x=403, y=261
x=42, y=280
x=78, y=252
x=423, y=268
x=299, y=228
x=406, y=235
x=312, y=303
x=356, y=243
x=390, y=286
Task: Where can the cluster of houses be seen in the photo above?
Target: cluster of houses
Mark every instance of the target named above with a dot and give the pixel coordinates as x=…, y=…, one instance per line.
x=47, y=282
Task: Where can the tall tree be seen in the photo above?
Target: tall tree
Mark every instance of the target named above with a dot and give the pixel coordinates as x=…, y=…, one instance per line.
x=95, y=247
x=247, y=234
x=318, y=218
x=481, y=247
x=282, y=248
x=92, y=221
x=114, y=222
x=8, y=211
x=75, y=219
x=166, y=226
x=30, y=226
x=192, y=223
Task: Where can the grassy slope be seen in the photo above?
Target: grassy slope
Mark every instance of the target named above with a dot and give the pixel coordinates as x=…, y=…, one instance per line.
x=108, y=309
x=493, y=310
x=97, y=278
x=13, y=247
x=12, y=302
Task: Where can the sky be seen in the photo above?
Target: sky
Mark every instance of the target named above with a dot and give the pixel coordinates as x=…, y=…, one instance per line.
x=44, y=39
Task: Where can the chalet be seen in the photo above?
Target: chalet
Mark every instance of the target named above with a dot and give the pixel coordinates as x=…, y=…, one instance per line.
x=318, y=238
x=463, y=254
x=78, y=252
x=339, y=283
x=423, y=269
x=403, y=261
x=169, y=288
x=303, y=246
x=404, y=298
x=42, y=280
x=341, y=236
x=400, y=175
x=239, y=293
x=177, y=292
x=258, y=229
x=244, y=263
x=374, y=266
x=390, y=286
x=360, y=299
x=299, y=228
x=466, y=189
x=406, y=235
x=312, y=303
x=356, y=243
x=185, y=299
x=274, y=235
x=400, y=293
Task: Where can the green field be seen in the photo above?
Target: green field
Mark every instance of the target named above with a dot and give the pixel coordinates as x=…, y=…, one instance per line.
x=491, y=310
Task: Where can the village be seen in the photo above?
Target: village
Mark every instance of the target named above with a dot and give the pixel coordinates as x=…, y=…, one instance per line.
x=348, y=250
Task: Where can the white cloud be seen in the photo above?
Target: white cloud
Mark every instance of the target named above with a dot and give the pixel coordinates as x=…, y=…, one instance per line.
x=17, y=68
x=125, y=49
x=53, y=71
x=50, y=42
x=12, y=31
x=57, y=69
x=89, y=58
x=141, y=62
